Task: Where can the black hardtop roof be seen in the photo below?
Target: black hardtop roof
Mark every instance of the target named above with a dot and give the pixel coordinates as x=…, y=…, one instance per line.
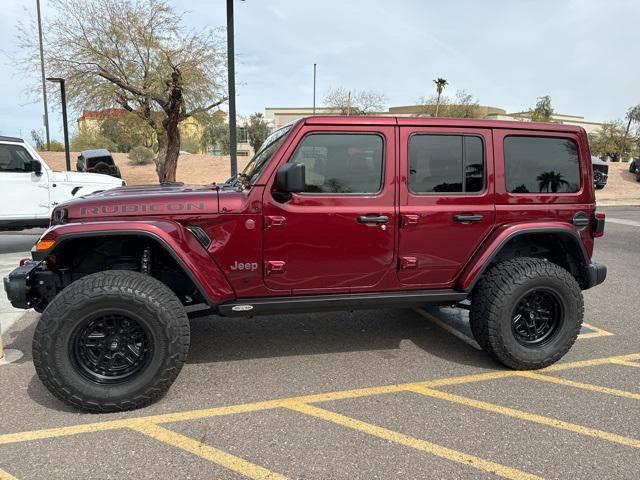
x=11, y=139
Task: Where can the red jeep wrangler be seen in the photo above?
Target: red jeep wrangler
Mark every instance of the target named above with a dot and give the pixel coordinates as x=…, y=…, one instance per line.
x=331, y=213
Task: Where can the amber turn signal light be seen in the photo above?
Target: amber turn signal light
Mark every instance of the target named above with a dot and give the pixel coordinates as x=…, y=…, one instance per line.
x=44, y=245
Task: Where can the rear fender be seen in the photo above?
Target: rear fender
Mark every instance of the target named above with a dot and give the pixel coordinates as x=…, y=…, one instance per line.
x=173, y=237
x=503, y=235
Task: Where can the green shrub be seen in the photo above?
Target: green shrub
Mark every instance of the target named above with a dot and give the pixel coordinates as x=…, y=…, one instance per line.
x=56, y=146
x=88, y=141
x=141, y=156
x=189, y=144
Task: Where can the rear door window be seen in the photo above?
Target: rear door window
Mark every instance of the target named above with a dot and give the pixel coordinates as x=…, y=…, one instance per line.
x=446, y=164
x=541, y=165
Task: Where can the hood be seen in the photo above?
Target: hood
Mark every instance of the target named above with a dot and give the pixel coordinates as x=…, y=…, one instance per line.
x=82, y=179
x=173, y=199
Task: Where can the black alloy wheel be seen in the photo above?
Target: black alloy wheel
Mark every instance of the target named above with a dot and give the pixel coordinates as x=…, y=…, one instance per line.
x=111, y=348
x=536, y=318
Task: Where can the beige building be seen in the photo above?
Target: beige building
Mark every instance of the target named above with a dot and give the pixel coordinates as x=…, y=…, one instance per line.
x=279, y=116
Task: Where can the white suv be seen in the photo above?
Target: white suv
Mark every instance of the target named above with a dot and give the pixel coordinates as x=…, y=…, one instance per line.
x=29, y=189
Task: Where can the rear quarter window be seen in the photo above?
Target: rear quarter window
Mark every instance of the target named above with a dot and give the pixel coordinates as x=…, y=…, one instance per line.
x=541, y=165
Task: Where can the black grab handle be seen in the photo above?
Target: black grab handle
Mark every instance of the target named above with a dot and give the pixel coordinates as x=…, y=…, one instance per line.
x=377, y=220
x=468, y=218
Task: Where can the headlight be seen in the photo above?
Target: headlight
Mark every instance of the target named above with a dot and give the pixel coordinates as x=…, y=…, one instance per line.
x=59, y=216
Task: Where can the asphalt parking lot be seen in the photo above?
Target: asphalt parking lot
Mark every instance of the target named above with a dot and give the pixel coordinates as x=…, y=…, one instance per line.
x=374, y=394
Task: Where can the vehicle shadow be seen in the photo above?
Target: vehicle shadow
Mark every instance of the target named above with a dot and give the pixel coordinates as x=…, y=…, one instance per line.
x=219, y=339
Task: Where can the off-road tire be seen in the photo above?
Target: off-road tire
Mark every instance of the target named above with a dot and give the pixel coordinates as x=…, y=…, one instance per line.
x=495, y=298
x=632, y=166
x=150, y=301
x=600, y=187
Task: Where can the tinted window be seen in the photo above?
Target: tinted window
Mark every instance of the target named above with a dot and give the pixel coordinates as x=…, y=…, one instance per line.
x=536, y=164
x=446, y=164
x=14, y=158
x=92, y=162
x=341, y=163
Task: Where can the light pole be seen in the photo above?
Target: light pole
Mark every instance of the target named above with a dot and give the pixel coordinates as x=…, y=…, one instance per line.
x=44, y=85
x=314, y=88
x=233, y=153
x=65, y=127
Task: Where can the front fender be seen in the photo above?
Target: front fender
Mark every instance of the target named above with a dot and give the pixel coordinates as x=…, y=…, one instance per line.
x=501, y=236
x=172, y=236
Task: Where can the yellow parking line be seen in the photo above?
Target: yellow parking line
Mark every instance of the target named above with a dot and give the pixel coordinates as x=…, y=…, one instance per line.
x=626, y=363
x=597, y=332
x=6, y=476
x=583, y=386
x=269, y=404
x=530, y=417
x=237, y=464
x=594, y=362
x=408, y=441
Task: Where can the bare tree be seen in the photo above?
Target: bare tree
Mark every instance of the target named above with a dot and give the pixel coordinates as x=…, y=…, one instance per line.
x=464, y=105
x=134, y=54
x=362, y=102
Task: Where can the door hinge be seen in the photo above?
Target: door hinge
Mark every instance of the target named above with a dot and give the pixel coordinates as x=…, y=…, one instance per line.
x=272, y=221
x=408, y=262
x=275, y=266
x=408, y=219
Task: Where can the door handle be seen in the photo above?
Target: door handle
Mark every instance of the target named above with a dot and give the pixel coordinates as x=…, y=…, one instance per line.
x=468, y=218
x=373, y=220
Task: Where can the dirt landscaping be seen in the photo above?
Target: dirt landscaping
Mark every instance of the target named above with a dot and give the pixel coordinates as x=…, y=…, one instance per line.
x=192, y=169
x=621, y=189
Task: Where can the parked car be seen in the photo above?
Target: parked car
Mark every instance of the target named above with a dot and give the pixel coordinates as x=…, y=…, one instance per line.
x=98, y=161
x=600, y=172
x=332, y=213
x=634, y=167
x=30, y=189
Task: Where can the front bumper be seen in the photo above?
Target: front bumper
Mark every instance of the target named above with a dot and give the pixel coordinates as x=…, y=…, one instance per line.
x=18, y=285
x=597, y=274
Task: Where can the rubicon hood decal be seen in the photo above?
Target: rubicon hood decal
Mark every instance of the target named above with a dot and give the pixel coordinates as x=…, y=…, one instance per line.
x=142, y=208
x=131, y=202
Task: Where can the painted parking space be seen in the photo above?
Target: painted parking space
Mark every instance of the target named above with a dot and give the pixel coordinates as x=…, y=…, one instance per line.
x=322, y=407
x=456, y=322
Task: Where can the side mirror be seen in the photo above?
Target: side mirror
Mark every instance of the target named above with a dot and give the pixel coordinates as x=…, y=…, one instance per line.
x=36, y=167
x=290, y=178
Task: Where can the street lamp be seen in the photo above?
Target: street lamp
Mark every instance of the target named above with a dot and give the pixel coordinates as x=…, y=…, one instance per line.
x=231, y=67
x=63, y=100
x=44, y=87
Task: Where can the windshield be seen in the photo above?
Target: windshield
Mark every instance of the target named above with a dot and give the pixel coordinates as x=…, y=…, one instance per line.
x=262, y=157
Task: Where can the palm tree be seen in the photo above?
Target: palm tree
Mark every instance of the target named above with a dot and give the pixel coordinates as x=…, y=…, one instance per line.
x=633, y=115
x=550, y=181
x=440, y=84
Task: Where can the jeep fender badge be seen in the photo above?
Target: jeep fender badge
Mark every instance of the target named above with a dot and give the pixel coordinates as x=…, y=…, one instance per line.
x=242, y=308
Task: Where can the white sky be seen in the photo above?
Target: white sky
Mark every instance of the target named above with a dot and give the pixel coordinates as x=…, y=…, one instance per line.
x=584, y=53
